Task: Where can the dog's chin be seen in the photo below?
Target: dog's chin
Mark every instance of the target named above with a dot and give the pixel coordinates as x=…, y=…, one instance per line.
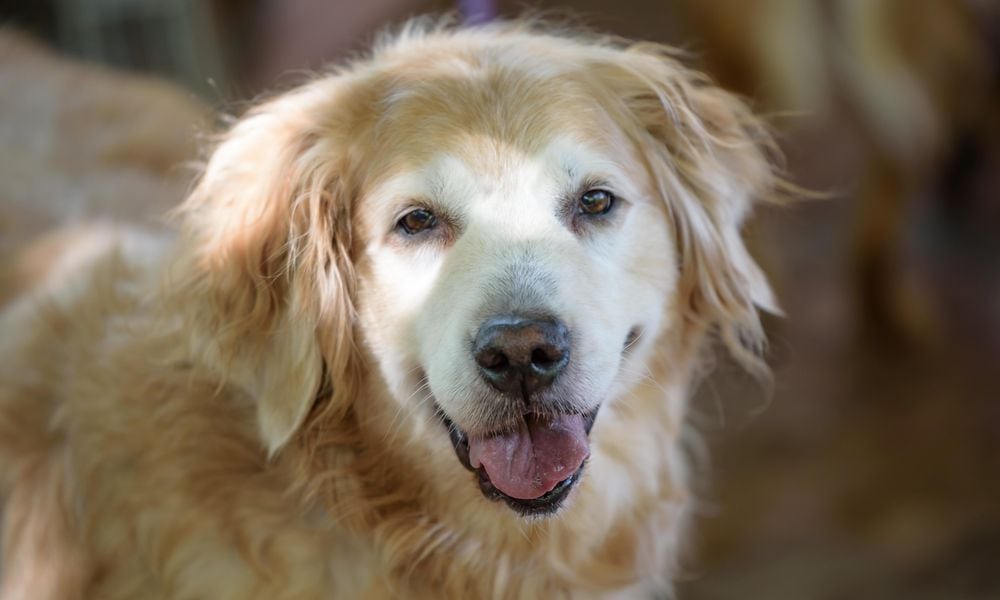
x=548, y=502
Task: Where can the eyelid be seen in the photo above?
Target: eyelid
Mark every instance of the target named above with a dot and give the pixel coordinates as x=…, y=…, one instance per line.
x=594, y=183
x=410, y=208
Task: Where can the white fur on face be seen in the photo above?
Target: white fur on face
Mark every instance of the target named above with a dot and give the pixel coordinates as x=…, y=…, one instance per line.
x=511, y=249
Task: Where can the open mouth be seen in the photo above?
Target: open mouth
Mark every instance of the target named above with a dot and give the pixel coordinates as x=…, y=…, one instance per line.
x=532, y=467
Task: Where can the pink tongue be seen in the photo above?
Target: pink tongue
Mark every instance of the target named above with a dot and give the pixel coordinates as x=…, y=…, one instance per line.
x=529, y=462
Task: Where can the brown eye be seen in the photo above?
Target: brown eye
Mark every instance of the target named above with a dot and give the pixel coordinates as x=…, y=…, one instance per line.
x=416, y=221
x=596, y=202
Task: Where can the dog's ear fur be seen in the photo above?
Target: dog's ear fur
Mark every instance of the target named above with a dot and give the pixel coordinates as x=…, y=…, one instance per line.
x=267, y=269
x=711, y=159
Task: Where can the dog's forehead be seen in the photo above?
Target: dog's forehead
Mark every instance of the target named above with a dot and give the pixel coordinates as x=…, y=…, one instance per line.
x=480, y=175
x=481, y=167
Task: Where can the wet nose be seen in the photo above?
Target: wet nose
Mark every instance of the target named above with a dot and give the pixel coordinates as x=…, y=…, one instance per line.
x=521, y=355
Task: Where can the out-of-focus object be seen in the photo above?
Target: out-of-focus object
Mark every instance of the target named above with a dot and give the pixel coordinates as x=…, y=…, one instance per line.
x=477, y=11
x=296, y=36
x=177, y=39
x=78, y=141
x=908, y=69
x=915, y=79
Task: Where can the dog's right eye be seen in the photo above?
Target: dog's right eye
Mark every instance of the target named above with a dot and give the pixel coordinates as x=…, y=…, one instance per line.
x=596, y=202
x=417, y=221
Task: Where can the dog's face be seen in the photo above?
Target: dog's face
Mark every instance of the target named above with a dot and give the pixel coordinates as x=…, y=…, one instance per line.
x=510, y=224
x=502, y=286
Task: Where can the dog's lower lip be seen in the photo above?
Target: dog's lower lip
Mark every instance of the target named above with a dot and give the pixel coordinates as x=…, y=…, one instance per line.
x=546, y=504
x=458, y=439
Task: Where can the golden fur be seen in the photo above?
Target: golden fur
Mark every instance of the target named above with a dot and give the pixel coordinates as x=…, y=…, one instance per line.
x=213, y=415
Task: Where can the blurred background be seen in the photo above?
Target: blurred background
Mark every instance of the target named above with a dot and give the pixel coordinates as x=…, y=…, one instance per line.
x=873, y=470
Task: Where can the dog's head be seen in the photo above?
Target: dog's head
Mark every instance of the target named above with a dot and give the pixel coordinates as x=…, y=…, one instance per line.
x=499, y=227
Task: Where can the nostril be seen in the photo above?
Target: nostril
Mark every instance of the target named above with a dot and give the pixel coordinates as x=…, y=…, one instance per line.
x=539, y=357
x=543, y=357
x=492, y=360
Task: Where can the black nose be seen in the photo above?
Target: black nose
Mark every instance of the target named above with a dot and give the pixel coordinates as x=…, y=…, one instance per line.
x=520, y=355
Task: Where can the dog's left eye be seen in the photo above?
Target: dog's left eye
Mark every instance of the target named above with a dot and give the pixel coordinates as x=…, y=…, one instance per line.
x=416, y=221
x=596, y=202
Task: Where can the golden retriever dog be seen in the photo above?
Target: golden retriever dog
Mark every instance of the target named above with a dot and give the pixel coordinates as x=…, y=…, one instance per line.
x=427, y=329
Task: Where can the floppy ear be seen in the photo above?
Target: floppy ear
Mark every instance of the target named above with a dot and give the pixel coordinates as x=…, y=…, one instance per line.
x=266, y=269
x=711, y=159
